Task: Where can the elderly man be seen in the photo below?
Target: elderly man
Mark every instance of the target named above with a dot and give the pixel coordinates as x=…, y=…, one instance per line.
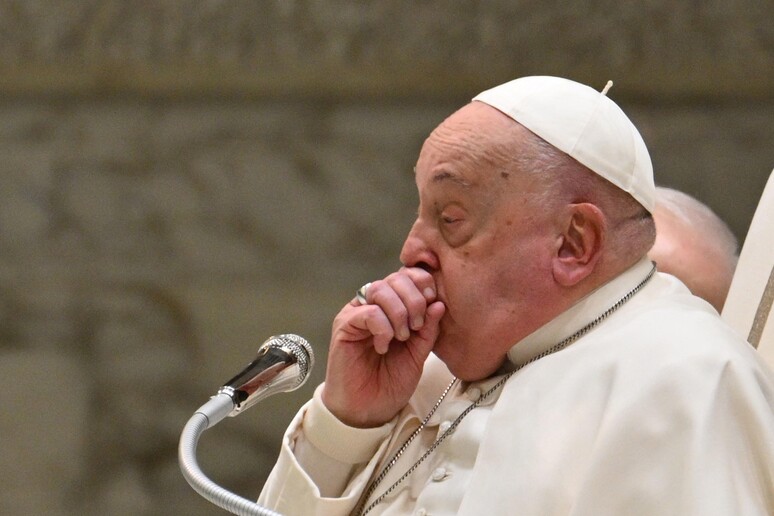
x=694, y=245
x=528, y=359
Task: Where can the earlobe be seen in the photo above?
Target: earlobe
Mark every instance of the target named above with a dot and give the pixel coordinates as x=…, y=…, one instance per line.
x=579, y=244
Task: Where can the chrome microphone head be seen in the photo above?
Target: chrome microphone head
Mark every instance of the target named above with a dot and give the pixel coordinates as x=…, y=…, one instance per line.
x=282, y=365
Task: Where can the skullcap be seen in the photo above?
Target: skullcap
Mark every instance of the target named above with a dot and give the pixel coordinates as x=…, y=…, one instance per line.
x=583, y=123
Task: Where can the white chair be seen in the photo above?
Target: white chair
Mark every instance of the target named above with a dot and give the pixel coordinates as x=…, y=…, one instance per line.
x=748, y=307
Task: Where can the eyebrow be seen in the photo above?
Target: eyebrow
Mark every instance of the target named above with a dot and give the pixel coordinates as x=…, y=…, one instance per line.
x=448, y=176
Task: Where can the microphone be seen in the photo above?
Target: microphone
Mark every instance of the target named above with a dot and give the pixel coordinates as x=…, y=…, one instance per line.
x=282, y=365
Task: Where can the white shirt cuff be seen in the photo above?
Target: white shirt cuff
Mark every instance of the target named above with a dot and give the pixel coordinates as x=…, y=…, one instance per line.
x=337, y=440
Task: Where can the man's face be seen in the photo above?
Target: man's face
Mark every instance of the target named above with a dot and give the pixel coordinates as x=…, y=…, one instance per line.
x=479, y=233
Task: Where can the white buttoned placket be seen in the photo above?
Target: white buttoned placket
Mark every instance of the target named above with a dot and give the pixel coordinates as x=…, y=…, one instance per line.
x=451, y=467
x=438, y=485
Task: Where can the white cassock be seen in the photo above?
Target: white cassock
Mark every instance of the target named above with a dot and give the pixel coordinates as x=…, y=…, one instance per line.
x=661, y=409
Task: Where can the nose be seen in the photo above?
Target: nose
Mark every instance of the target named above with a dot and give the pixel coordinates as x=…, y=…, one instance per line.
x=417, y=251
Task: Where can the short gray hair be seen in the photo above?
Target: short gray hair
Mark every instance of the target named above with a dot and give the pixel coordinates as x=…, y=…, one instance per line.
x=565, y=180
x=701, y=218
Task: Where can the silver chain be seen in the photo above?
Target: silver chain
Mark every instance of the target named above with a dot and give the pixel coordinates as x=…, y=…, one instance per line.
x=561, y=345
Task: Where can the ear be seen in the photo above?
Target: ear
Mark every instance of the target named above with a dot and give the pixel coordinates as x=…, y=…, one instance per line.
x=582, y=232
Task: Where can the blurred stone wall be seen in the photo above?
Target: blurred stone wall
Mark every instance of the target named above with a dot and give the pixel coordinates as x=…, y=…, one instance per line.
x=181, y=180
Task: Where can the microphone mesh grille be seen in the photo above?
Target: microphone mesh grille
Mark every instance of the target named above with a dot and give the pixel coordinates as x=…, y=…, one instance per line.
x=300, y=348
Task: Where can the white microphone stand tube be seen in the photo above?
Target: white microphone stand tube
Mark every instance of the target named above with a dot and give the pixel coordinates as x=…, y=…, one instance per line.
x=208, y=415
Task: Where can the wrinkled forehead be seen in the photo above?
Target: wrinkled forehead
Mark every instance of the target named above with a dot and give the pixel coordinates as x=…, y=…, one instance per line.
x=475, y=165
x=476, y=121
x=477, y=142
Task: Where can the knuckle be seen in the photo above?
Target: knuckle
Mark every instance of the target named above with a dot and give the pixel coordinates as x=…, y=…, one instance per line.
x=400, y=313
x=376, y=288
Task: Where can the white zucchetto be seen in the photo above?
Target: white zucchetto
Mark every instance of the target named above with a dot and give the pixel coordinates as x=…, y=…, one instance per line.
x=583, y=123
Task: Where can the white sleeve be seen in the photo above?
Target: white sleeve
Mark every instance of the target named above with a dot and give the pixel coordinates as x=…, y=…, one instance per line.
x=324, y=465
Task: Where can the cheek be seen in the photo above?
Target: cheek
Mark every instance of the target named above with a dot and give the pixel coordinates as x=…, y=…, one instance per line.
x=517, y=255
x=522, y=274
x=469, y=294
x=474, y=290
x=505, y=274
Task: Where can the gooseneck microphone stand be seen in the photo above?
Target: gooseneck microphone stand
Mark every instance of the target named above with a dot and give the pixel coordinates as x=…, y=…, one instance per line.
x=282, y=365
x=208, y=415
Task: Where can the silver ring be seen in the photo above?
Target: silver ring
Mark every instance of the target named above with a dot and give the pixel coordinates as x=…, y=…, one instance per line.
x=361, y=293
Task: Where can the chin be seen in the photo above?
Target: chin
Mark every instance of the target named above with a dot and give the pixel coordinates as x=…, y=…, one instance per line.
x=462, y=367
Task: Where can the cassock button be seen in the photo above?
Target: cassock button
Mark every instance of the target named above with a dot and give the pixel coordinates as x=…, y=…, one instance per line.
x=439, y=474
x=421, y=512
x=443, y=427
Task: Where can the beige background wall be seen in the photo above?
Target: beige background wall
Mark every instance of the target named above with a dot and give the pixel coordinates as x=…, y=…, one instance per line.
x=180, y=180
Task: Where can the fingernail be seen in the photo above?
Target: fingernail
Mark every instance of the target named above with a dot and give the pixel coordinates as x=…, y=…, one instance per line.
x=403, y=334
x=419, y=321
x=429, y=293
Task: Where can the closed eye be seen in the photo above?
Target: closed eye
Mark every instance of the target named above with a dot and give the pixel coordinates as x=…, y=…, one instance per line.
x=451, y=215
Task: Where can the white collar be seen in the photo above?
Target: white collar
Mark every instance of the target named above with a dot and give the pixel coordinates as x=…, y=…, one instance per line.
x=578, y=315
